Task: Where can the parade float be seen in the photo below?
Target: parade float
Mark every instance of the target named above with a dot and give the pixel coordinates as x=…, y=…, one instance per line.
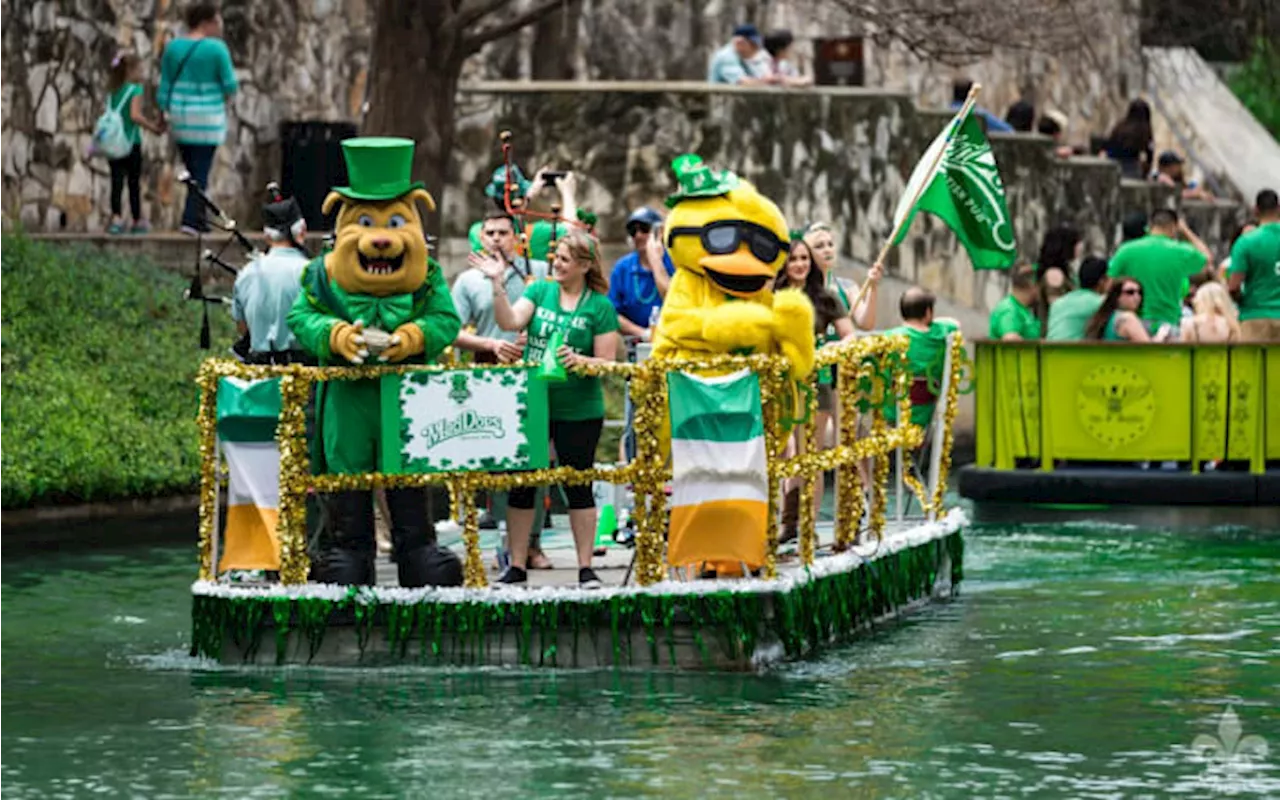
x=728, y=407
x=1118, y=424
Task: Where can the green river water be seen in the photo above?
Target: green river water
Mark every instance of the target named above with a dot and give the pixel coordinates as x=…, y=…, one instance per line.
x=1079, y=661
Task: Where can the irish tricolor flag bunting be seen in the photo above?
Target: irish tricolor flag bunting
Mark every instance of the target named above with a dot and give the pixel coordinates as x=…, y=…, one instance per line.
x=247, y=414
x=720, y=486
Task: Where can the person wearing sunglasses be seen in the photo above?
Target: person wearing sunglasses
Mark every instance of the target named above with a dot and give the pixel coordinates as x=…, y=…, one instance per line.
x=1118, y=318
x=640, y=279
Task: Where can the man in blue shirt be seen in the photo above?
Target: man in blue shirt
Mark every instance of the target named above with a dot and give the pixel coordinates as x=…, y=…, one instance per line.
x=266, y=288
x=637, y=283
x=743, y=61
x=960, y=93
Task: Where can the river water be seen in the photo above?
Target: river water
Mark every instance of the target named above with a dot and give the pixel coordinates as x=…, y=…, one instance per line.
x=1079, y=661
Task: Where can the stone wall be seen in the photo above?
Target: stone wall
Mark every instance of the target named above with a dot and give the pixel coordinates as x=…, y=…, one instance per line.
x=839, y=155
x=306, y=60
x=295, y=60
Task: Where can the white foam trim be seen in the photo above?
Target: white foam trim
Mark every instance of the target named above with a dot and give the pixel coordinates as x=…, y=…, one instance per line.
x=377, y=595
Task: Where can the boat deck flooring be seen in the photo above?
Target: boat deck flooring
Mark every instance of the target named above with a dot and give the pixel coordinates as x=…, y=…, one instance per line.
x=611, y=567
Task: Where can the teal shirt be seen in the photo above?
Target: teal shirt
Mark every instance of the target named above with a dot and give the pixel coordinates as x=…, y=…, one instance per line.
x=578, y=397
x=264, y=293
x=1256, y=255
x=727, y=67
x=122, y=99
x=194, y=100
x=1069, y=315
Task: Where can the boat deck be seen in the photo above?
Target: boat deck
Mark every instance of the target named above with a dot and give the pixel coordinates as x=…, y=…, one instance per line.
x=611, y=567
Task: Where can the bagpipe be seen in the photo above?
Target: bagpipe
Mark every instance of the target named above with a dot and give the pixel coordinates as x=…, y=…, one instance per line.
x=218, y=258
x=518, y=206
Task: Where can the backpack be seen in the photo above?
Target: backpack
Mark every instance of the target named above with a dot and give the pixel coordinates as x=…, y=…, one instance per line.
x=109, y=138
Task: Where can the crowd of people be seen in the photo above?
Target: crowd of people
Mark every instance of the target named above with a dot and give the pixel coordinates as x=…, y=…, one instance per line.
x=1160, y=285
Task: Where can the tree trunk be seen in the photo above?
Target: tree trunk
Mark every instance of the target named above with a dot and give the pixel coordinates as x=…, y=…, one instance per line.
x=413, y=83
x=555, y=43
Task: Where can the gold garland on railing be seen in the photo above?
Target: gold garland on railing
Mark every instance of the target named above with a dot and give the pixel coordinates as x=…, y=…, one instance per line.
x=295, y=475
x=207, y=421
x=648, y=473
x=810, y=479
x=958, y=361
x=879, y=495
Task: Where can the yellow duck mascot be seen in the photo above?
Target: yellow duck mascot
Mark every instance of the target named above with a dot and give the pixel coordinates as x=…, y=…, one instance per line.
x=375, y=297
x=727, y=242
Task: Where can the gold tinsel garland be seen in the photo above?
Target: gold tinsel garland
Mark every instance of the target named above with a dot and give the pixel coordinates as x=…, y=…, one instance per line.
x=207, y=420
x=879, y=497
x=958, y=361
x=648, y=473
x=808, y=486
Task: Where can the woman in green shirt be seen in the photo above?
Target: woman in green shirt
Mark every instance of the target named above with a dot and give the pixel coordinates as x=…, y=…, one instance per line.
x=574, y=304
x=1117, y=319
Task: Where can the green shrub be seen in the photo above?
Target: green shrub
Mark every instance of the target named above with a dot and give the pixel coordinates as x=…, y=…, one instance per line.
x=1257, y=84
x=99, y=353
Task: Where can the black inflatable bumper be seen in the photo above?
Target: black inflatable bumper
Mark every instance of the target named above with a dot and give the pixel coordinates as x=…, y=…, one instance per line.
x=1119, y=487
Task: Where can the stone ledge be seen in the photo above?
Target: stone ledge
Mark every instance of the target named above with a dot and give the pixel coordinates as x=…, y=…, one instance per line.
x=670, y=87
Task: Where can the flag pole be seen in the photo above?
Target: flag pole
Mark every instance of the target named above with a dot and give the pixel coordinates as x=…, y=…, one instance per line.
x=933, y=168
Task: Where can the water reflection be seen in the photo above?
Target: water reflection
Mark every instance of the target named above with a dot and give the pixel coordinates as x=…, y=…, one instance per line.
x=1077, y=662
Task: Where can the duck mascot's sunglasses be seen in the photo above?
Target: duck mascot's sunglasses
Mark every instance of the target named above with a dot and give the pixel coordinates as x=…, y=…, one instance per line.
x=724, y=237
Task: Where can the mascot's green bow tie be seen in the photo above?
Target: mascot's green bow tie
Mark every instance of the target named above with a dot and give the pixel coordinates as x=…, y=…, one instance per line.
x=387, y=313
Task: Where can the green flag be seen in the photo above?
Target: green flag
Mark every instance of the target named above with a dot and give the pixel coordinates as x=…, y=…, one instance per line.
x=964, y=190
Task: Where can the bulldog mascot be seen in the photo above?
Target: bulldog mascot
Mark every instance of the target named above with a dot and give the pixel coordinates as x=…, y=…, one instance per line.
x=375, y=298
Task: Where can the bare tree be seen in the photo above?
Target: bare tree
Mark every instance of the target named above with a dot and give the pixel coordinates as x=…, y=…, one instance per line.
x=419, y=47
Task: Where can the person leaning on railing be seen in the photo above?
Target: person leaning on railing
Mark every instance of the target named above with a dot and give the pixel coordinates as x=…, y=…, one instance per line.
x=1118, y=318
x=573, y=306
x=926, y=350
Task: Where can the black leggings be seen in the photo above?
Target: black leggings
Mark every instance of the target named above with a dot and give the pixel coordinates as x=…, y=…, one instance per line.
x=129, y=167
x=575, y=441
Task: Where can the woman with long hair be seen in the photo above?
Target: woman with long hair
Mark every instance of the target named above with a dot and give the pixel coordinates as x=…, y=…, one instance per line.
x=1117, y=320
x=1131, y=142
x=1215, y=319
x=572, y=307
x=822, y=249
x=829, y=313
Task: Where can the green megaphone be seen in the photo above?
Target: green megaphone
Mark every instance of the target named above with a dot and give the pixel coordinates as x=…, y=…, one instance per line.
x=551, y=370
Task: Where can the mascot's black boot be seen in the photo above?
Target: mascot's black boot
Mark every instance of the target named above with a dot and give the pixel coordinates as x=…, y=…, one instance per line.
x=413, y=540
x=349, y=558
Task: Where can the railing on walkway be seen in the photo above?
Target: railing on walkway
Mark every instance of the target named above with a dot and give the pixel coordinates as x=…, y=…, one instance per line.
x=1039, y=403
x=871, y=378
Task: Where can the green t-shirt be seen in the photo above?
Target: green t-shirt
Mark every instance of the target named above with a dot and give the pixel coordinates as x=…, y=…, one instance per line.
x=925, y=357
x=1069, y=315
x=122, y=98
x=1162, y=265
x=1257, y=256
x=578, y=397
x=1011, y=316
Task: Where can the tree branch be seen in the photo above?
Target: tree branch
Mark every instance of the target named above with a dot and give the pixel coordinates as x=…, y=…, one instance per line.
x=482, y=37
x=472, y=11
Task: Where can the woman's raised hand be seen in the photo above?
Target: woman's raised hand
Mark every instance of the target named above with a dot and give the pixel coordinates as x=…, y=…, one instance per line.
x=489, y=266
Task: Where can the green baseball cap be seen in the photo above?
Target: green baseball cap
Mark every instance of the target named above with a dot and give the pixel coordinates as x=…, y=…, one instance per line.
x=696, y=179
x=378, y=168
